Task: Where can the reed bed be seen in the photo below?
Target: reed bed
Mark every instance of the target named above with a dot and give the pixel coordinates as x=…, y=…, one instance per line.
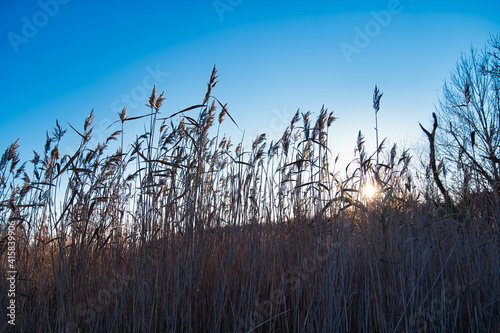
x=185, y=231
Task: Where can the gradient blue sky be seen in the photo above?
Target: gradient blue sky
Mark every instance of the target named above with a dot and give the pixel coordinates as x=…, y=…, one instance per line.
x=273, y=57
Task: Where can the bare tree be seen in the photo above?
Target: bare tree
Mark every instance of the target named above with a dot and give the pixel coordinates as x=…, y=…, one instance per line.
x=495, y=61
x=469, y=113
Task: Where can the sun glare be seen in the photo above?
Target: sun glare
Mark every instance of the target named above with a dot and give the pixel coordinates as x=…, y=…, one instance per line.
x=369, y=191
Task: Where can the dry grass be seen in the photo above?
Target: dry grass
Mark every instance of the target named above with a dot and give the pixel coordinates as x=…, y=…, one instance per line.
x=182, y=231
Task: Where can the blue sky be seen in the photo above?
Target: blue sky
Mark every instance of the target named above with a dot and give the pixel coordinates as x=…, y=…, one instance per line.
x=62, y=58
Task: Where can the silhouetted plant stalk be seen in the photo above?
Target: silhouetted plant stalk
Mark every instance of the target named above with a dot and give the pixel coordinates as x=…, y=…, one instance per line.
x=431, y=136
x=377, y=95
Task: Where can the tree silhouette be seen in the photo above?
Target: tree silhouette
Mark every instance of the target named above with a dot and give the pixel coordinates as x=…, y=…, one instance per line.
x=469, y=114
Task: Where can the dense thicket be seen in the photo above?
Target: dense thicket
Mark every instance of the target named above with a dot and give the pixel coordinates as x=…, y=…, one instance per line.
x=182, y=230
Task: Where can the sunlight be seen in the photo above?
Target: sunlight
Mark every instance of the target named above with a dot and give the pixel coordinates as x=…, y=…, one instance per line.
x=369, y=191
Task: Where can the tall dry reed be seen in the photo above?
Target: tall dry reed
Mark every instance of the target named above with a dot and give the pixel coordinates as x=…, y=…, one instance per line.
x=182, y=231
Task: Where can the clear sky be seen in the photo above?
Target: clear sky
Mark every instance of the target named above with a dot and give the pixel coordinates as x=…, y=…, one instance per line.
x=62, y=58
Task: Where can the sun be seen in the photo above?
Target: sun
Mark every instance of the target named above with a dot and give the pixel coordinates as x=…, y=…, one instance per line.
x=369, y=191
